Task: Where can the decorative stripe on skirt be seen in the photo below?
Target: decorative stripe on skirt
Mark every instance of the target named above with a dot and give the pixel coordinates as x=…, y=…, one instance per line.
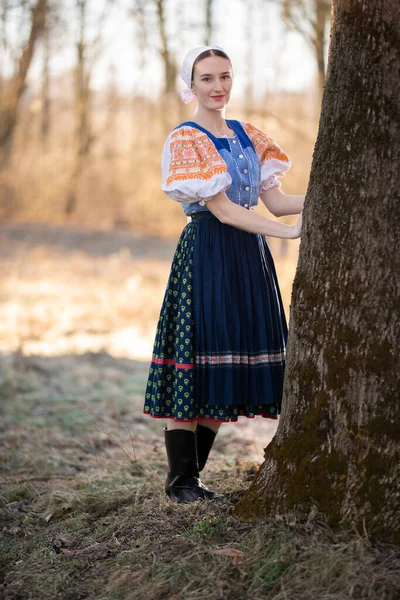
x=219, y=349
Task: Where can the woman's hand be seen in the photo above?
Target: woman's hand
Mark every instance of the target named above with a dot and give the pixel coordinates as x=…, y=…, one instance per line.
x=297, y=227
x=232, y=214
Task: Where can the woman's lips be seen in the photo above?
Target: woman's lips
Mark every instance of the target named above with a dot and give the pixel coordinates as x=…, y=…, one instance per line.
x=217, y=97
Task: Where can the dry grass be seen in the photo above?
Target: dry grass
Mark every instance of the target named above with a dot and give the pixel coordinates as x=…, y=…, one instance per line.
x=83, y=512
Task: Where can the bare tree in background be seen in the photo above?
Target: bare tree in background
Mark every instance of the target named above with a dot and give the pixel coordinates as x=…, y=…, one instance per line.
x=87, y=52
x=82, y=84
x=170, y=67
x=336, y=449
x=45, y=87
x=310, y=18
x=12, y=89
x=169, y=63
x=140, y=104
x=249, y=24
x=209, y=6
x=146, y=20
x=55, y=32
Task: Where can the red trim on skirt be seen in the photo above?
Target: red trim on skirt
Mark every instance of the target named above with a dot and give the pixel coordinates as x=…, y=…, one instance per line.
x=170, y=361
x=209, y=418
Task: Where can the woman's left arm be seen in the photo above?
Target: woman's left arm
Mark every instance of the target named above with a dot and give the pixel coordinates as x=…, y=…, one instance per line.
x=280, y=204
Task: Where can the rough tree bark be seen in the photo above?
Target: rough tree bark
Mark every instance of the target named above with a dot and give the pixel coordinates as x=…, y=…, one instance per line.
x=337, y=444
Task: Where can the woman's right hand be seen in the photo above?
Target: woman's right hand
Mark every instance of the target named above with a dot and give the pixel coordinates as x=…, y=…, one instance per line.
x=297, y=227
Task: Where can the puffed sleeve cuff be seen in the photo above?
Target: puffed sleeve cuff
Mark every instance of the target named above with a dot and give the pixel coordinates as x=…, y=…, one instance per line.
x=273, y=161
x=192, y=168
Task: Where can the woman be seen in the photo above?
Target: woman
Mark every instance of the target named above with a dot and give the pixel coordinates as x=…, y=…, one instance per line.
x=219, y=351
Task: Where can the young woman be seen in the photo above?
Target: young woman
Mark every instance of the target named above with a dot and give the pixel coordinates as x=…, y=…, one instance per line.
x=219, y=350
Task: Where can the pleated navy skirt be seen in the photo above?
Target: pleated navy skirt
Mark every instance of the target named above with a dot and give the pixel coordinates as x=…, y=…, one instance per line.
x=219, y=350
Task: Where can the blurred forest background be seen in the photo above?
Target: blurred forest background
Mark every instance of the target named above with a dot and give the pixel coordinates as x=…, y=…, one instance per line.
x=89, y=90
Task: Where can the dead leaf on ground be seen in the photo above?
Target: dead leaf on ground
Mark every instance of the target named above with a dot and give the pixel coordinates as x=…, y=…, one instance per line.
x=58, y=513
x=237, y=556
x=233, y=552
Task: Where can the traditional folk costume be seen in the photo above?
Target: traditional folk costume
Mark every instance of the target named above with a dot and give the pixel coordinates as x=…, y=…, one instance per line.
x=219, y=350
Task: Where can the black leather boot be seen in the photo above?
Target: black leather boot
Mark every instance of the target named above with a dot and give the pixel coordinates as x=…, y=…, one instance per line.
x=205, y=438
x=183, y=483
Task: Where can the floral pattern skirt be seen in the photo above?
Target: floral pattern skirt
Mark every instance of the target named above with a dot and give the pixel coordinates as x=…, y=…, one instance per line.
x=219, y=349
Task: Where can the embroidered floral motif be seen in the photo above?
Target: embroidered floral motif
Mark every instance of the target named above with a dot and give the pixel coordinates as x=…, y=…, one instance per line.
x=265, y=145
x=193, y=156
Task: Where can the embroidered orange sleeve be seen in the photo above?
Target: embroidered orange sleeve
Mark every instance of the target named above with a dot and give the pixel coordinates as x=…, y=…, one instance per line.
x=193, y=156
x=265, y=145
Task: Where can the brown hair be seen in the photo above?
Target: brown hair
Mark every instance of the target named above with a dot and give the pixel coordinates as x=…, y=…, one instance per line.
x=206, y=54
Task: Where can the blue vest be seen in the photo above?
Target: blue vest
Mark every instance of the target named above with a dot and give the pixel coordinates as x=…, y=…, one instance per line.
x=243, y=167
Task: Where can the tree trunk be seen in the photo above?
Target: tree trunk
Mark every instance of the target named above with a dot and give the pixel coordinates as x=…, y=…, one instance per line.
x=336, y=449
x=45, y=90
x=209, y=22
x=15, y=87
x=250, y=50
x=168, y=61
x=83, y=136
x=82, y=98
x=169, y=98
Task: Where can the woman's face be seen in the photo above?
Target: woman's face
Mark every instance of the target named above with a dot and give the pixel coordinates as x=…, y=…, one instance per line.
x=212, y=82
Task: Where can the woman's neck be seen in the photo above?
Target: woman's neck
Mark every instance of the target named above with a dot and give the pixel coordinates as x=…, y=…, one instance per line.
x=213, y=121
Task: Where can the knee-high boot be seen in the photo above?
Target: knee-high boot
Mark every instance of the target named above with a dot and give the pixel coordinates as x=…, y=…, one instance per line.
x=204, y=438
x=183, y=482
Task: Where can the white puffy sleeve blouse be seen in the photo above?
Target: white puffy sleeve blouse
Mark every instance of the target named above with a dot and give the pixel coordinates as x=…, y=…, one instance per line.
x=192, y=169
x=272, y=159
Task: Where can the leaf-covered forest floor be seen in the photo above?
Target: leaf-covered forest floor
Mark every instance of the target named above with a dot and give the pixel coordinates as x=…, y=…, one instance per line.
x=83, y=512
